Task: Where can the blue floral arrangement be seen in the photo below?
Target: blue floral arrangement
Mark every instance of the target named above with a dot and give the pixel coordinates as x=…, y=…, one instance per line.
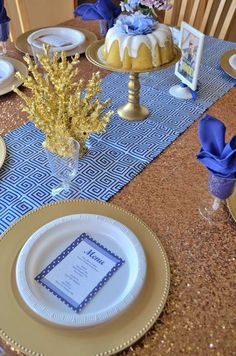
x=135, y=24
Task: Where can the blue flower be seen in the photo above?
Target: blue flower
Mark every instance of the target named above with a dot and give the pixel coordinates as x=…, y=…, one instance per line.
x=137, y=24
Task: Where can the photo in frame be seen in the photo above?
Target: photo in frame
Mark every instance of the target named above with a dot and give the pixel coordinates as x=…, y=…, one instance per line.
x=191, y=45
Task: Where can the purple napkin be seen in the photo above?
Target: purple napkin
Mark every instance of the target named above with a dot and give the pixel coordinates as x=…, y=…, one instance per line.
x=4, y=23
x=101, y=10
x=218, y=156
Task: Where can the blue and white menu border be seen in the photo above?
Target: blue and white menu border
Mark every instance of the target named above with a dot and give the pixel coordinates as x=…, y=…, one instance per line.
x=41, y=277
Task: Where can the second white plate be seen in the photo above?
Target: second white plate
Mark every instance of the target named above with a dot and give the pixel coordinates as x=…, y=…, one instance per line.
x=60, y=38
x=2, y=151
x=232, y=61
x=18, y=67
x=47, y=242
x=6, y=72
x=225, y=65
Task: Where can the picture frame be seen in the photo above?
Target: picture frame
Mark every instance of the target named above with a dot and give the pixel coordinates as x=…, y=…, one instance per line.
x=191, y=45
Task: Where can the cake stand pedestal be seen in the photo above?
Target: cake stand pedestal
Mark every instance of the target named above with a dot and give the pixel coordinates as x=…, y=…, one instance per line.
x=132, y=111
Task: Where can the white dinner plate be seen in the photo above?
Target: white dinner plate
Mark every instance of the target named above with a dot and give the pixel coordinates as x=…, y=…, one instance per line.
x=18, y=67
x=225, y=63
x=51, y=239
x=232, y=61
x=60, y=38
x=231, y=203
x=23, y=46
x=2, y=151
x=6, y=72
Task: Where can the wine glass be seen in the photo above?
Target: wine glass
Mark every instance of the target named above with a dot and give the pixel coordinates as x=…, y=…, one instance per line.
x=4, y=35
x=220, y=188
x=2, y=351
x=64, y=166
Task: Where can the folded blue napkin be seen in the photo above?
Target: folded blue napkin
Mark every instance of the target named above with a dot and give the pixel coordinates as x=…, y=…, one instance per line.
x=4, y=23
x=217, y=155
x=101, y=10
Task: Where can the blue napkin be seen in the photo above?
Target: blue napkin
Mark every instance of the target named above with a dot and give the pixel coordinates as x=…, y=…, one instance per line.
x=101, y=10
x=217, y=155
x=4, y=23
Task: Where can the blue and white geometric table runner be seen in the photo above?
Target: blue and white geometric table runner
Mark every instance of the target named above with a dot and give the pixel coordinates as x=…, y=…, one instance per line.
x=119, y=154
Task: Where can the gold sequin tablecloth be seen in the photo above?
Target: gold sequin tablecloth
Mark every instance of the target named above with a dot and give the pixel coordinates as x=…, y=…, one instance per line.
x=200, y=315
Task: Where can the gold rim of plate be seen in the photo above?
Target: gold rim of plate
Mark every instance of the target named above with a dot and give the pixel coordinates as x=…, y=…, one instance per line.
x=19, y=67
x=224, y=63
x=2, y=151
x=38, y=337
x=231, y=203
x=23, y=46
x=92, y=56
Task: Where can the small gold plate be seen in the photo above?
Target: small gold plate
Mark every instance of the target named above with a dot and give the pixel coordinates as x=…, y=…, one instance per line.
x=224, y=62
x=27, y=333
x=23, y=46
x=93, y=53
x=231, y=202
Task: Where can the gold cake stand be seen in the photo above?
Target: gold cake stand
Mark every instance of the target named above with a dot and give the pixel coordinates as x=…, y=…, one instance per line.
x=132, y=110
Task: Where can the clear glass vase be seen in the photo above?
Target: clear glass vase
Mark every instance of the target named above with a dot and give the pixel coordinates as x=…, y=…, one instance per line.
x=213, y=208
x=104, y=26
x=64, y=166
x=38, y=51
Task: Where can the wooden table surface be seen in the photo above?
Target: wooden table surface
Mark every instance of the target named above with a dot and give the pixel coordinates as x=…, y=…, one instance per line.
x=200, y=315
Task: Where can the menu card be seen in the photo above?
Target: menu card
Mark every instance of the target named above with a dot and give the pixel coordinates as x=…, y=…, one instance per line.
x=79, y=272
x=53, y=40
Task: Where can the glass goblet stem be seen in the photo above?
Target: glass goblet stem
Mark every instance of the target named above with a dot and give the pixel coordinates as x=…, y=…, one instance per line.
x=216, y=203
x=64, y=185
x=3, y=48
x=213, y=207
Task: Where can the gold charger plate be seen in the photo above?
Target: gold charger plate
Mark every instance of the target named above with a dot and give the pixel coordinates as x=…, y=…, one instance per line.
x=19, y=67
x=231, y=202
x=23, y=46
x=2, y=151
x=27, y=333
x=224, y=62
x=93, y=54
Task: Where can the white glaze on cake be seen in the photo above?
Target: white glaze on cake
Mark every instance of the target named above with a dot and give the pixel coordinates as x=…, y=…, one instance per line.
x=160, y=35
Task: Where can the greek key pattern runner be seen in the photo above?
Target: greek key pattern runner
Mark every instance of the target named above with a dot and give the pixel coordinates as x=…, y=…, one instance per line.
x=119, y=154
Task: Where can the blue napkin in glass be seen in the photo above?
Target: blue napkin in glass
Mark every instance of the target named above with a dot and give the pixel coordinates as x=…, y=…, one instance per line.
x=101, y=10
x=217, y=155
x=4, y=23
